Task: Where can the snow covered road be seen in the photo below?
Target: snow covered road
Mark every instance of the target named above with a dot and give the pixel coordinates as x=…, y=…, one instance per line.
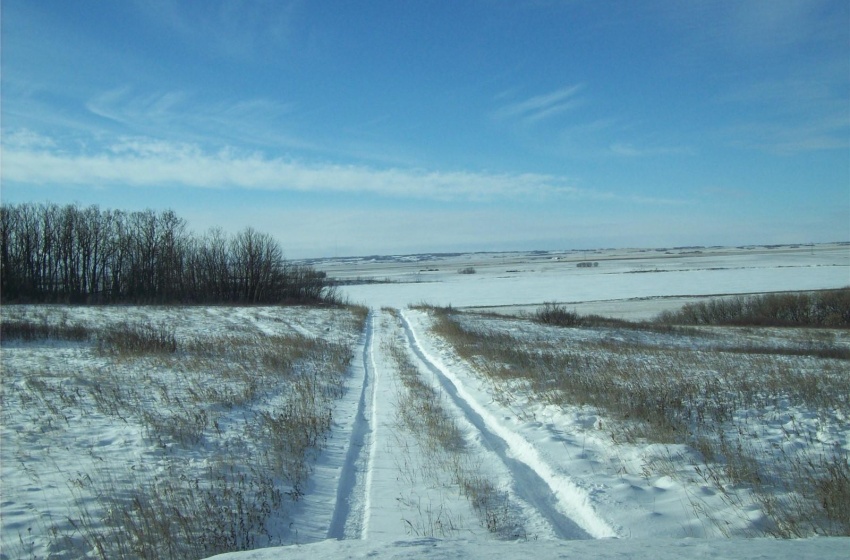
x=517, y=471
x=375, y=480
x=563, y=483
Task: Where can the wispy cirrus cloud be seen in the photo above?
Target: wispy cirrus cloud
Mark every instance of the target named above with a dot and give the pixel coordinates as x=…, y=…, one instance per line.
x=29, y=159
x=791, y=116
x=185, y=115
x=627, y=149
x=126, y=105
x=255, y=122
x=240, y=30
x=543, y=106
x=142, y=162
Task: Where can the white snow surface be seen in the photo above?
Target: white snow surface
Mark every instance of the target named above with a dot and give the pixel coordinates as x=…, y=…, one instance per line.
x=621, y=285
x=613, y=514
x=477, y=549
x=374, y=493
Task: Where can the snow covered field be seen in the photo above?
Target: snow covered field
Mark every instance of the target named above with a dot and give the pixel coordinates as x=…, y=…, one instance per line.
x=482, y=470
x=163, y=431
x=632, y=284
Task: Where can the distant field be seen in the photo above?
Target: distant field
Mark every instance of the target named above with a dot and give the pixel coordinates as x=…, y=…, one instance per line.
x=635, y=283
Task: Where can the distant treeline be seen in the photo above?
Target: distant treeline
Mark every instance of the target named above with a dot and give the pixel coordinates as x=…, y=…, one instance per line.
x=68, y=254
x=828, y=308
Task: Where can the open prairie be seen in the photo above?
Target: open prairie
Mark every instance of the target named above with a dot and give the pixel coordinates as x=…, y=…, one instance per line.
x=444, y=415
x=626, y=283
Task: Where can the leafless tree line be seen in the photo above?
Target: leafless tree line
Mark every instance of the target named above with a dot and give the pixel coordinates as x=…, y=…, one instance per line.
x=68, y=254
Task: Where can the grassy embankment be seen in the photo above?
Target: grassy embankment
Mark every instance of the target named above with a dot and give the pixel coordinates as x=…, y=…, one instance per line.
x=738, y=396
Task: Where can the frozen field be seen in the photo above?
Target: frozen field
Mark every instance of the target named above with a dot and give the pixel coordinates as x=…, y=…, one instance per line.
x=626, y=283
x=352, y=437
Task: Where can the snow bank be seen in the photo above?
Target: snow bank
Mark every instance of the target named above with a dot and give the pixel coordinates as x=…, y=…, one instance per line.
x=635, y=549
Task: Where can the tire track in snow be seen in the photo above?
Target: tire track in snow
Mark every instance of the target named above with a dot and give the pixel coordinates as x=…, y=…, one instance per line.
x=351, y=511
x=556, y=497
x=373, y=420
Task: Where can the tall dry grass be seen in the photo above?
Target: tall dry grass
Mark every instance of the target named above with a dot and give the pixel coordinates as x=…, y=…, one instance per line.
x=826, y=308
x=712, y=392
x=232, y=420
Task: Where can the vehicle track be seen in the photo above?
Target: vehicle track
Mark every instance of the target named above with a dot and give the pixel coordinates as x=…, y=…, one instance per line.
x=351, y=511
x=557, y=499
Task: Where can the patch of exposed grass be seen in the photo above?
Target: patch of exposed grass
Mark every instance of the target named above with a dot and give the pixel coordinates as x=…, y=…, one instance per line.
x=707, y=391
x=29, y=329
x=827, y=308
x=137, y=339
x=232, y=420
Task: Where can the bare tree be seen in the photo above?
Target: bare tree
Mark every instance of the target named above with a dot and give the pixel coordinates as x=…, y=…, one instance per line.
x=54, y=253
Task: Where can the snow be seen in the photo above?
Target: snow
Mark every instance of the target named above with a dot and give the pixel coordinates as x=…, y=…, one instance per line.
x=476, y=549
x=510, y=281
x=570, y=500
x=375, y=490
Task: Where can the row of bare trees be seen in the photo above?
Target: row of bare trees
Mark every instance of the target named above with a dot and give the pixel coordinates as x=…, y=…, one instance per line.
x=68, y=254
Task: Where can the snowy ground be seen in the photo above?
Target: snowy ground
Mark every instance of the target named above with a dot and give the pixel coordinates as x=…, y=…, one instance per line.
x=378, y=490
x=100, y=440
x=632, y=284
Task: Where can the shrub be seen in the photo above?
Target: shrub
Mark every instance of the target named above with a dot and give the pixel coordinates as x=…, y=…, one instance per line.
x=28, y=330
x=829, y=308
x=558, y=315
x=138, y=339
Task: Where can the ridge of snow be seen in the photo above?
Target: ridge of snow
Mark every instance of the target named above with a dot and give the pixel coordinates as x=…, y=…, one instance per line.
x=635, y=549
x=571, y=500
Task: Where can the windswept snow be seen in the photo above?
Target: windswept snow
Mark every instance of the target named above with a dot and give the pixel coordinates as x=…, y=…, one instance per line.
x=378, y=491
x=619, y=284
x=558, y=499
x=633, y=549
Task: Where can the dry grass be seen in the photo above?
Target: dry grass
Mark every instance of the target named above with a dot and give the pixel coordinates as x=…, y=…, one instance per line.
x=711, y=392
x=254, y=408
x=39, y=327
x=827, y=308
x=137, y=339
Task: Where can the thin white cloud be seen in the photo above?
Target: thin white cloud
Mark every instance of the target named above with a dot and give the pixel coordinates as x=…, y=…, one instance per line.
x=540, y=107
x=27, y=139
x=186, y=115
x=793, y=136
x=626, y=149
x=144, y=163
x=32, y=159
x=241, y=30
x=258, y=122
x=181, y=109
x=122, y=105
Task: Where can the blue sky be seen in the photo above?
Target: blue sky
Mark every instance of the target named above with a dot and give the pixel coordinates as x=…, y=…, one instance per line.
x=377, y=127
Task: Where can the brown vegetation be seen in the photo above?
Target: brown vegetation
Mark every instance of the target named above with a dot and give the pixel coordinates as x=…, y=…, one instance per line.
x=694, y=387
x=827, y=308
